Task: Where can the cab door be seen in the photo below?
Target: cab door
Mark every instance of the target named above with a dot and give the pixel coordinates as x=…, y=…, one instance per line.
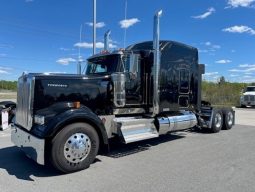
x=133, y=80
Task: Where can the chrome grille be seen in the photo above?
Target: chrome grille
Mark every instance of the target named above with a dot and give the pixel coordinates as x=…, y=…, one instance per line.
x=24, y=112
x=249, y=98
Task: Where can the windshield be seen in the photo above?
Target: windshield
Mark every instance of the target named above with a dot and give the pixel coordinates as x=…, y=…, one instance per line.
x=250, y=89
x=103, y=65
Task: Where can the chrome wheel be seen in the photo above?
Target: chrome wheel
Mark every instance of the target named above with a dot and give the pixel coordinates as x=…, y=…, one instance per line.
x=77, y=148
x=218, y=120
x=230, y=118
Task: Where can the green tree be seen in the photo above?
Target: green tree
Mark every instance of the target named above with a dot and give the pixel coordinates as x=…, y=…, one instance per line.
x=222, y=80
x=8, y=85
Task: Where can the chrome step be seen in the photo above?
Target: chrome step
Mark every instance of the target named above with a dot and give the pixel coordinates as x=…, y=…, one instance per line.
x=134, y=129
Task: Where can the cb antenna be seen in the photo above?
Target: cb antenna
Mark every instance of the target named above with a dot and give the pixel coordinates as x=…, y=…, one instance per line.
x=94, y=25
x=125, y=29
x=79, y=55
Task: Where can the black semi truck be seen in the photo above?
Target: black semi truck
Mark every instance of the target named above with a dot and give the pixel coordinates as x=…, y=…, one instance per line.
x=148, y=89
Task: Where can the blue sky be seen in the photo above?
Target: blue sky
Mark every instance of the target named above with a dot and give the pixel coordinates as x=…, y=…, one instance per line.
x=43, y=35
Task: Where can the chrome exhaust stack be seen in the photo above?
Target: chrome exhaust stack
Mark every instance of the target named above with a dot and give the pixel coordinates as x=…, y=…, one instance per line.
x=106, y=40
x=156, y=63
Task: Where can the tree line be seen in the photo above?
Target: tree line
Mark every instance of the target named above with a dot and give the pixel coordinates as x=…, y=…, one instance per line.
x=8, y=85
x=222, y=92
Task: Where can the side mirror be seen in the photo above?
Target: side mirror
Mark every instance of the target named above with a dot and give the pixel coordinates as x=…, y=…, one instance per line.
x=201, y=68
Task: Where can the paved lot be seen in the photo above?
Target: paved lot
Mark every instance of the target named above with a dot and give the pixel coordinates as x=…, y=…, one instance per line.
x=7, y=94
x=186, y=161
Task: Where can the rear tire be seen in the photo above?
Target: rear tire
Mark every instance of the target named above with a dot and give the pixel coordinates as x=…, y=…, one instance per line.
x=217, y=121
x=74, y=148
x=228, y=119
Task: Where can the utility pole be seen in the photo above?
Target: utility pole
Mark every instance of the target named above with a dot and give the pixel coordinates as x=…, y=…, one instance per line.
x=94, y=26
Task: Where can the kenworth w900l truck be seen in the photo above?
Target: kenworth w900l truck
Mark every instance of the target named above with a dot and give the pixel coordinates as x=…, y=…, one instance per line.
x=148, y=89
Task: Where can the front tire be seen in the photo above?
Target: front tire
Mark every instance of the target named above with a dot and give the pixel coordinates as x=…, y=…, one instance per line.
x=74, y=148
x=217, y=121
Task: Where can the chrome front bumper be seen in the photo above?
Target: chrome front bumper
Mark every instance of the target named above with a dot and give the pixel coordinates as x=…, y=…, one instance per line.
x=248, y=103
x=31, y=145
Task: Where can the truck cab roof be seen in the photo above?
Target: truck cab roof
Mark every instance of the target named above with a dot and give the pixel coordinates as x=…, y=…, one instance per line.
x=144, y=46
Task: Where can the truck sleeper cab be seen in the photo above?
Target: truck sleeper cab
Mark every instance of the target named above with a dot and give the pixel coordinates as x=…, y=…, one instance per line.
x=146, y=90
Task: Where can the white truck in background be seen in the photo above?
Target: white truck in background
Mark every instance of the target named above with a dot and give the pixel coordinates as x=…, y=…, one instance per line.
x=248, y=97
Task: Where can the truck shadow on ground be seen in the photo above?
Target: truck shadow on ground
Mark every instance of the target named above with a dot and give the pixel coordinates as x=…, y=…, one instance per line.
x=198, y=131
x=15, y=162
x=119, y=149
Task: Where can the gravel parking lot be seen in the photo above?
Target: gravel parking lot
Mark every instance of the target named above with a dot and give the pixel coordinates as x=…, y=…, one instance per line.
x=183, y=161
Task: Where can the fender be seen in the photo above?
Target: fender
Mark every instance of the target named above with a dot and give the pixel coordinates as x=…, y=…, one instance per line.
x=7, y=104
x=71, y=115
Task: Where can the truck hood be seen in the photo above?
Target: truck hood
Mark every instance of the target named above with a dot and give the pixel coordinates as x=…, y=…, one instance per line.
x=89, y=90
x=249, y=93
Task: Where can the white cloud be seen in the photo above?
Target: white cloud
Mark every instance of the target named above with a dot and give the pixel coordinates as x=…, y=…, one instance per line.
x=211, y=73
x=240, y=3
x=3, y=72
x=247, y=66
x=223, y=61
x=203, y=51
x=234, y=75
x=247, y=76
x=209, y=12
x=98, y=25
x=240, y=29
x=126, y=23
x=208, y=43
x=5, y=68
x=29, y=1
x=65, y=49
x=65, y=61
x=99, y=45
x=211, y=76
x=216, y=46
x=252, y=80
x=209, y=47
x=252, y=69
x=3, y=55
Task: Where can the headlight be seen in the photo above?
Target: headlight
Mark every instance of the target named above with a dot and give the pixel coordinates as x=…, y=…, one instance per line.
x=40, y=120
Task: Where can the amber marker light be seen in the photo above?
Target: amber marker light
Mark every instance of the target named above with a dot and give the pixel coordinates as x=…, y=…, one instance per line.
x=77, y=104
